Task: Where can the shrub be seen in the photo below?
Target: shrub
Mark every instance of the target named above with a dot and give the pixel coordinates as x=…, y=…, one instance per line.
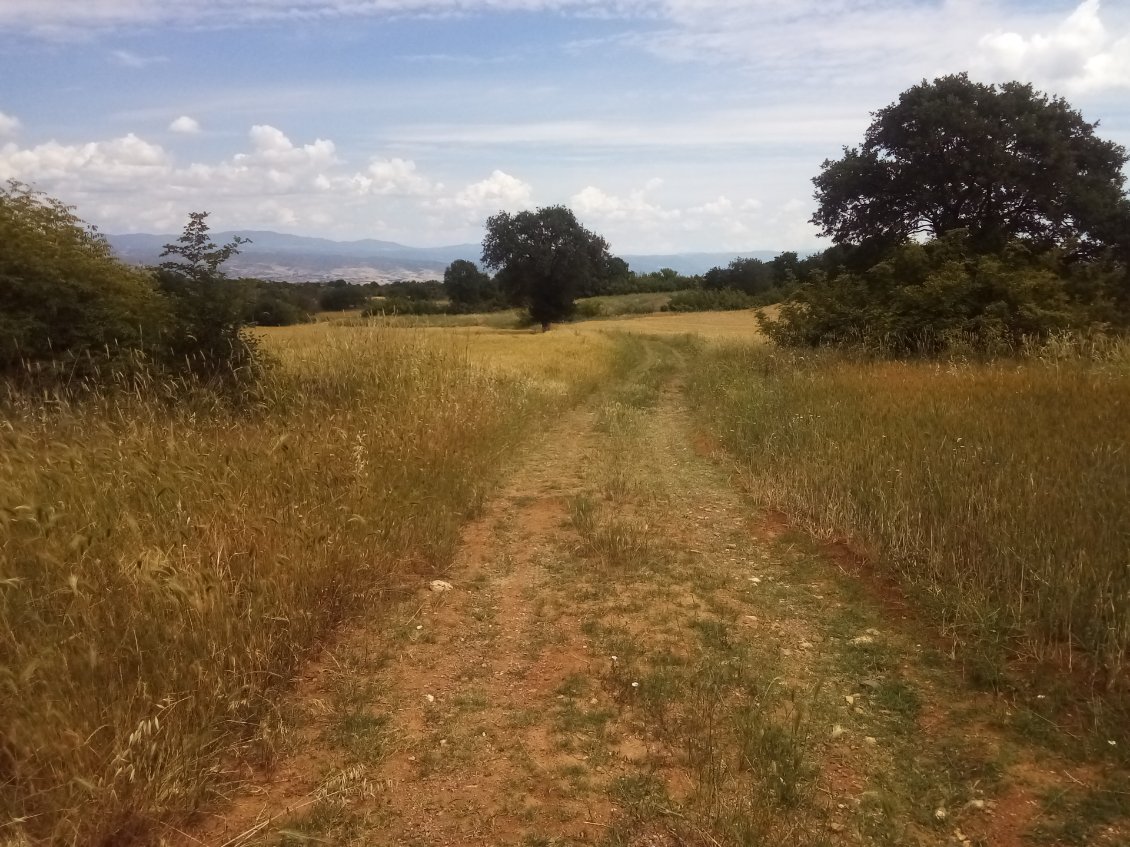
x=715, y=300
x=67, y=306
x=206, y=337
x=925, y=298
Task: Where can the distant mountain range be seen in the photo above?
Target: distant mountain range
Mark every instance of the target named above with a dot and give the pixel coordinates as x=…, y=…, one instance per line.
x=298, y=258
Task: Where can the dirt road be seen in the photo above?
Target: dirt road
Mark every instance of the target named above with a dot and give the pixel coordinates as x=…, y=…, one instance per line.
x=627, y=654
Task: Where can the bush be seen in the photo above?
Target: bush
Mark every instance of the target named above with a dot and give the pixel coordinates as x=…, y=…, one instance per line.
x=206, y=337
x=716, y=300
x=272, y=303
x=341, y=296
x=68, y=308
x=925, y=298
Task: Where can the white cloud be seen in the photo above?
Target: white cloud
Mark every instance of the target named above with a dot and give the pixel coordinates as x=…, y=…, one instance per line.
x=9, y=125
x=592, y=202
x=1079, y=54
x=55, y=16
x=395, y=176
x=272, y=147
x=498, y=192
x=128, y=183
x=185, y=125
x=127, y=59
x=116, y=162
x=643, y=224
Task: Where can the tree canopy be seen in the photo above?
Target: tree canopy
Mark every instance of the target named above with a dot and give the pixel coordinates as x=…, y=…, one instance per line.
x=543, y=259
x=1004, y=163
x=199, y=256
x=210, y=312
x=467, y=287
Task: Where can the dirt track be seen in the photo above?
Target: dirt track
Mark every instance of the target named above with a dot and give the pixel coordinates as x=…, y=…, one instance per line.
x=629, y=655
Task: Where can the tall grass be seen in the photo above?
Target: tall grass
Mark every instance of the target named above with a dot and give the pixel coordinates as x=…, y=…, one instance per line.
x=165, y=567
x=1001, y=489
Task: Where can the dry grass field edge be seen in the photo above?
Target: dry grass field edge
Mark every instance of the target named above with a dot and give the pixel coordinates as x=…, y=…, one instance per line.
x=164, y=570
x=995, y=492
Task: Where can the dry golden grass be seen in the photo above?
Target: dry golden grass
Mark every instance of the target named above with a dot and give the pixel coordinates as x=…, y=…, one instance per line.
x=999, y=490
x=165, y=569
x=740, y=326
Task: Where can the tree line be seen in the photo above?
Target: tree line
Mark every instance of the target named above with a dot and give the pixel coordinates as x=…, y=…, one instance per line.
x=976, y=214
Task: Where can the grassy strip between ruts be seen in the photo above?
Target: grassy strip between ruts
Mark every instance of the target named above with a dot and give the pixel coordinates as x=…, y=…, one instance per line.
x=165, y=568
x=996, y=492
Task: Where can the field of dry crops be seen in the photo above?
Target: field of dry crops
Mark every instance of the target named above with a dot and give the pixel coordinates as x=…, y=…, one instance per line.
x=996, y=491
x=166, y=570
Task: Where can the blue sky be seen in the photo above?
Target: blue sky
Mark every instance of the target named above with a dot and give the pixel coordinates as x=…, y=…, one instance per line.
x=667, y=125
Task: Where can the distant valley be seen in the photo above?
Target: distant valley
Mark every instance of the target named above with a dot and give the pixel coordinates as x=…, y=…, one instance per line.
x=297, y=258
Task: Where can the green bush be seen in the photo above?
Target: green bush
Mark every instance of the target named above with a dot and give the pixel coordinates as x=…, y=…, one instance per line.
x=926, y=298
x=67, y=306
x=714, y=300
x=206, y=338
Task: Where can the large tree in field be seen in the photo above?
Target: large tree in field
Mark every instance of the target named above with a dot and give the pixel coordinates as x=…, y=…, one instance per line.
x=1004, y=163
x=542, y=260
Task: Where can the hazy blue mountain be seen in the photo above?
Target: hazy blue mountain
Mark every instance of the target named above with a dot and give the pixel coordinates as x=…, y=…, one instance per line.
x=296, y=258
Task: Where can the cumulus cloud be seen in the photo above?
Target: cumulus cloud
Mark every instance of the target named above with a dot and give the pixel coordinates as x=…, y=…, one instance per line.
x=645, y=224
x=387, y=177
x=129, y=183
x=185, y=125
x=592, y=202
x=498, y=192
x=130, y=180
x=9, y=125
x=1080, y=54
x=105, y=163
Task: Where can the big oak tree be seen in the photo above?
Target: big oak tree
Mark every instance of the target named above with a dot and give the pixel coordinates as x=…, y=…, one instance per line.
x=543, y=259
x=1005, y=164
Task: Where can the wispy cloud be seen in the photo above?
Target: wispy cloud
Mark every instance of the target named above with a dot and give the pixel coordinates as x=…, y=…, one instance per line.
x=794, y=126
x=133, y=60
x=50, y=15
x=9, y=125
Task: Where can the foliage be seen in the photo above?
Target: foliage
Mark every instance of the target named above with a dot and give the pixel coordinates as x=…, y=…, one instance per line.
x=543, y=259
x=199, y=257
x=927, y=297
x=207, y=337
x=611, y=276
x=66, y=304
x=662, y=280
x=712, y=300
x=468, y=288
x=271, y=303
x=428, y=289
x=341, y=296
x=1002, y=163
